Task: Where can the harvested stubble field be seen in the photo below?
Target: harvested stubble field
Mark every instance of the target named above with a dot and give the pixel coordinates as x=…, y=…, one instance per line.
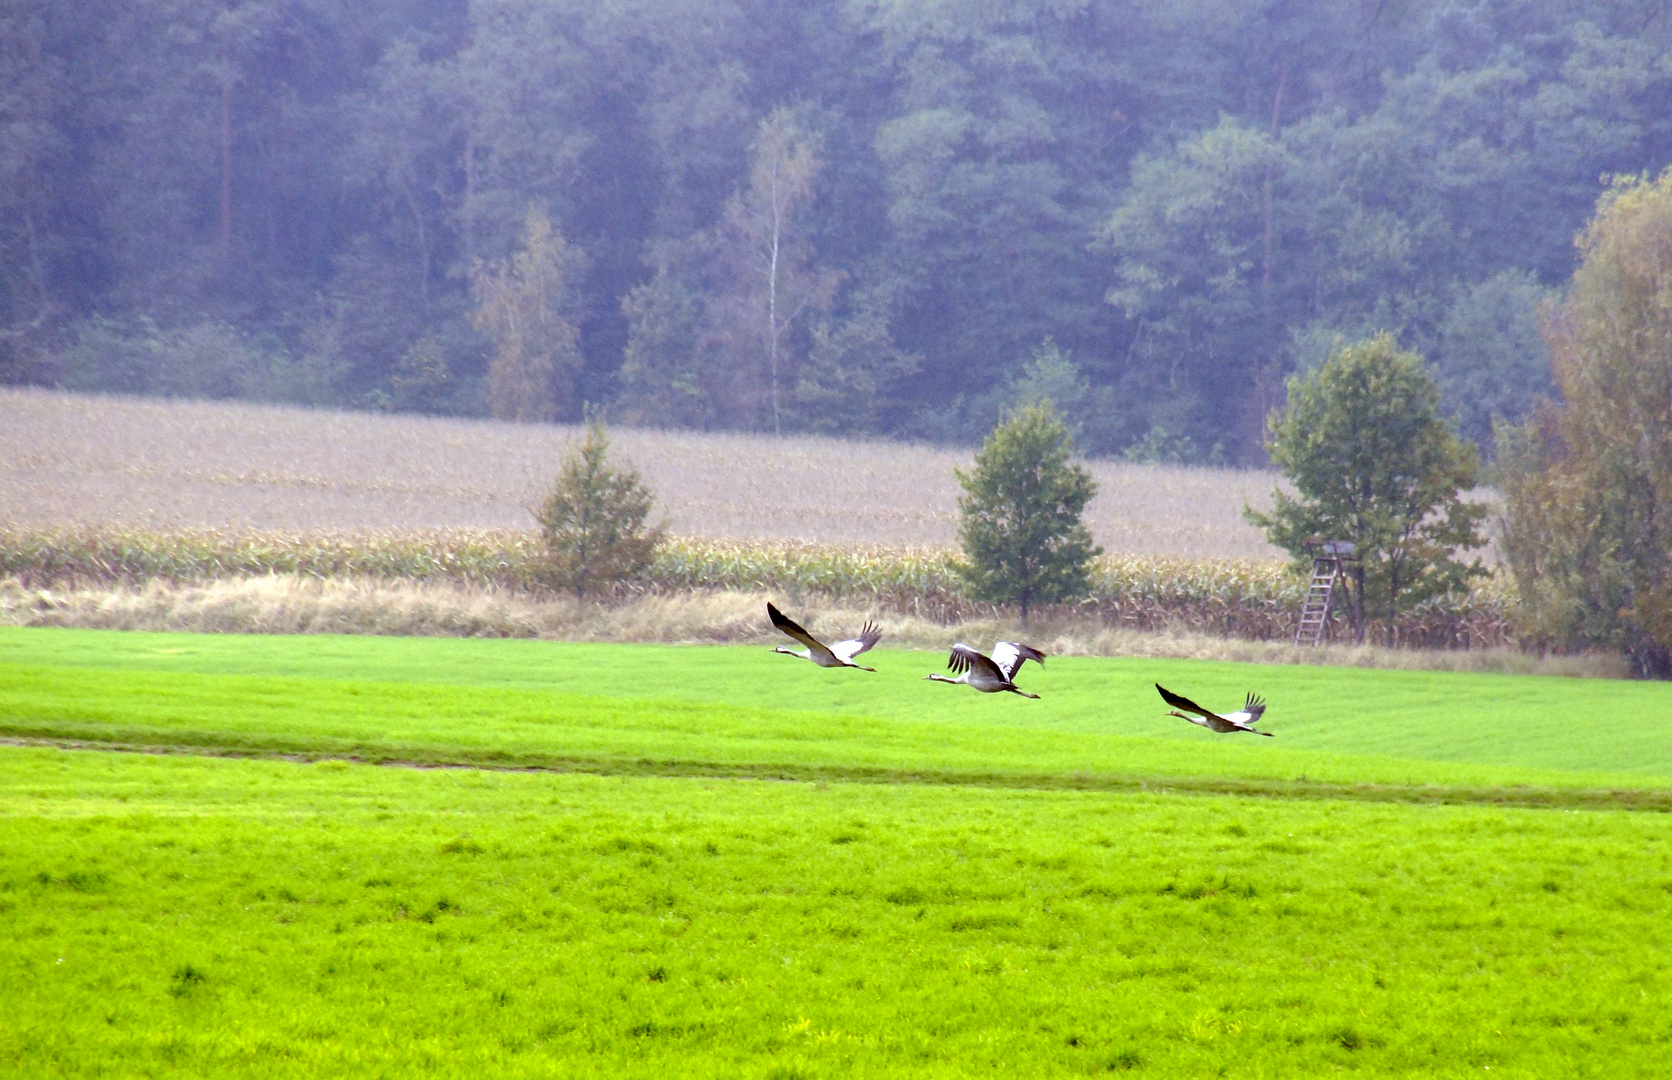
x=135, y=497
x=141, y=463
x=958, y=885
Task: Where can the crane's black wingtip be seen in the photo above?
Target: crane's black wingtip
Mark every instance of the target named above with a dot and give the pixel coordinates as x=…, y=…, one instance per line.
x=784, y=622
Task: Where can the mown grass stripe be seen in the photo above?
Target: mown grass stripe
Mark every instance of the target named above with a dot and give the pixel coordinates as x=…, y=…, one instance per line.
x=207, y=745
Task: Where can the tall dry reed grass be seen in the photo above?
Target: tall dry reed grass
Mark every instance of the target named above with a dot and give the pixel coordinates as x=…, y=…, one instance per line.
x=291, y=604
x=70, y=459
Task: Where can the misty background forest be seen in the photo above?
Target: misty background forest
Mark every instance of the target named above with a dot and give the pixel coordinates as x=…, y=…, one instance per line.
x=891, y=217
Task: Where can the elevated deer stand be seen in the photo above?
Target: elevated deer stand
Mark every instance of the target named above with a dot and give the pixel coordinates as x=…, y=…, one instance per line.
x=1329, y=564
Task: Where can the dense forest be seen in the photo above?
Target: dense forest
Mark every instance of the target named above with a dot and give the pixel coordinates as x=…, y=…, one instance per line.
x=851, y=216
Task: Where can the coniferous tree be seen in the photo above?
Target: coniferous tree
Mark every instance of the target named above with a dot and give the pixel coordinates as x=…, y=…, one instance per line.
x=844, y=383
x=421, y=378
x=594, y=520
x=1020, y=528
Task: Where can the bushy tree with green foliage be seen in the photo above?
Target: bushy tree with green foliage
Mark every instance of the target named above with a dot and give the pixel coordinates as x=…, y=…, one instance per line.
x=1588, y=485
x=1375, y=463
x=594, y=520
x=1021, y=532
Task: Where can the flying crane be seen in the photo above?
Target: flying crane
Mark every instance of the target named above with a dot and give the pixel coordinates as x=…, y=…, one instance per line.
x=839, y=654
x=991, y=674
x=1241, y=720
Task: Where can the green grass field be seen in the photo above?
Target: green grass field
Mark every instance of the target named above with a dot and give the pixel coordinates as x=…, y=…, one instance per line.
x=747, y=710
x=962, y=909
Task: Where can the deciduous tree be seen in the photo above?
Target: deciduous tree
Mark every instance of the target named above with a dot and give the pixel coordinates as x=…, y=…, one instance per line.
x=1373, y=462
x=522, y=303
x=1020, y=527
x=1588, y=485
x=761, y=238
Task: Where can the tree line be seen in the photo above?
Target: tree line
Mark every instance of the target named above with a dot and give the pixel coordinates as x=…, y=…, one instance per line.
x=832, y=216
x=1586, y=524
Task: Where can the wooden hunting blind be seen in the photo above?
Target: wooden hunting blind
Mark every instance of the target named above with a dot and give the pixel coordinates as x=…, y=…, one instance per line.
x=1329, y=564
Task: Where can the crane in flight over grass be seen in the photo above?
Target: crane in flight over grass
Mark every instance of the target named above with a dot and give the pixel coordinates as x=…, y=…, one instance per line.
x=991, y=674
x=840, y=654
x=1241, y=720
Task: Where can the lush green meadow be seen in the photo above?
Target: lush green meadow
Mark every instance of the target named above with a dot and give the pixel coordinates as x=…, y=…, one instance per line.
x=746, y=709
x=758, y=868
x=180, y=915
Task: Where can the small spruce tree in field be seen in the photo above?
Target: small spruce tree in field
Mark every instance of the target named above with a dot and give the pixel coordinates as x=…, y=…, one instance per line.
x=593, y=520
x=1023, y=540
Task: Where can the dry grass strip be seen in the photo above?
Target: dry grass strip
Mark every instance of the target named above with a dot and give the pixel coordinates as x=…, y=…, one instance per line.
x=1258, y=601
x=287, y=604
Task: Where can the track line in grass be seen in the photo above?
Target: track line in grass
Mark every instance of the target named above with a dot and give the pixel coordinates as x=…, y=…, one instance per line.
x=1302, y=788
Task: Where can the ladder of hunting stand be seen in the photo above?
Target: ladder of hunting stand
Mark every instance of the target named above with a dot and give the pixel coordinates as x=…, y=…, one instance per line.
x=1326, y=571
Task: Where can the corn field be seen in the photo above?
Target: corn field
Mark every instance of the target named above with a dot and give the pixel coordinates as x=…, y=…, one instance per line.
x=1251, y=600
